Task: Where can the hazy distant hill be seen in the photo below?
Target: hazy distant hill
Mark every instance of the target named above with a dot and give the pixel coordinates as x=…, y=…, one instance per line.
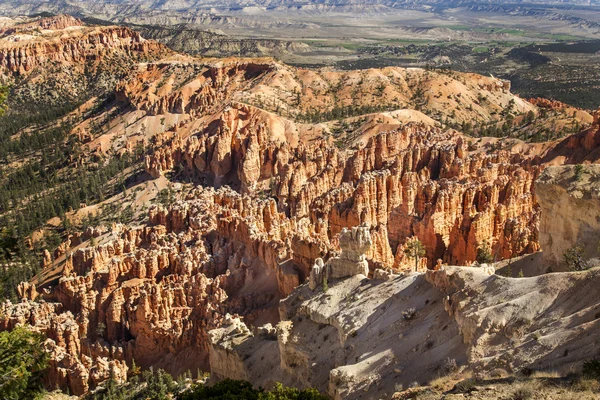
x=120, y=9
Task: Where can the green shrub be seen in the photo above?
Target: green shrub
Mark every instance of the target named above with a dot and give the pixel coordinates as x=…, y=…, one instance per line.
x=465, y=386
x=240, y=390
x=157, y=385
x=591, y=369
x=575, y=259
x=578, y=171
x=227, y=389
x=484, y=255
x=23, y=363
x=281, y=392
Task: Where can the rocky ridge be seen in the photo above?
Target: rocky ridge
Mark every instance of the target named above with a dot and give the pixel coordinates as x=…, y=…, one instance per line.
x=19, y=54
x=186, y=38
x=266, y=192
x=362, y=339
x=58, y=60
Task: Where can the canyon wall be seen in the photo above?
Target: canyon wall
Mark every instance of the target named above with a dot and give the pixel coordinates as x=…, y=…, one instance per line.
x=76, y=47
x=268, y=186
x=570, y=202
x=414, y=181
x=361, y=339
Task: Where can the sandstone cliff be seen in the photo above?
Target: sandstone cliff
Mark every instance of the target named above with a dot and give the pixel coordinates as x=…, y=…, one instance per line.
x=58, y=60
x=275, y=166
x=55, y=23
x=21, y=57
x=569, y=197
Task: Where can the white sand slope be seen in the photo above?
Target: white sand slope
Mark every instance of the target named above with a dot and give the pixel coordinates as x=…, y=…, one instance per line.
x=363, y=338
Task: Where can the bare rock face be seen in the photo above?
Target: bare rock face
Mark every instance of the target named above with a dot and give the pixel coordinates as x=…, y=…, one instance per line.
x=272, y=198
x=570, y=200
x=359, y=341
x=355, y=243
x=234, y=344
x=222, y=363
x=508, y=321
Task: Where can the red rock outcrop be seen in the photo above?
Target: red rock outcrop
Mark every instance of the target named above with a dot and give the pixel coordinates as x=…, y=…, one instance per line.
x=151, y=294
x=57, y=22
x=417, y=180
x=272, y=194
x=547, y=103
x=71, y=47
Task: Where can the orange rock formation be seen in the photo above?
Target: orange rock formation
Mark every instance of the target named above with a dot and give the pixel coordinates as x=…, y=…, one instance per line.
x=272, y=194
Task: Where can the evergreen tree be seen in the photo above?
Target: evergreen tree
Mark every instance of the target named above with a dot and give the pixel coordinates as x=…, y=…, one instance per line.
x=23, y=362
x=414, y=249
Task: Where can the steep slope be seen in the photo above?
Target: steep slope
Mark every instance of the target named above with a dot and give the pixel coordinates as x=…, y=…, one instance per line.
x=570, y=196
x=252, y=170
x=189, y=39
x=56, y=60
x=361, y=339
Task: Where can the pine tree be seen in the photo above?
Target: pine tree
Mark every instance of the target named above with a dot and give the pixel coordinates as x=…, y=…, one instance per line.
x=414, y=249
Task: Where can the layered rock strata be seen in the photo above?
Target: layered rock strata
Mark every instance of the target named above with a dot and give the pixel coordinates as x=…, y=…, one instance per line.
x=78, y=46
x=414, y=181
x=268, y=194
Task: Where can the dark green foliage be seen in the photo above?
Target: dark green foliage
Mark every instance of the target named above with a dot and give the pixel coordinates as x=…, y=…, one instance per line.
x=3, y=97
x=415, y=250
x=225, y=390
x=591, y=369
x=12, y=248
x=157, y=385
x=160, y=385
x=281, y=392
x=575, y=259
x=37, y=138
x=315, y=115
x=579, y=171
x=484, y=256
x=22, y=364
x=32, y=207
x=166, y=197
x=11, y=276
x=529, y=117
x=50, y=182
x=241, y=390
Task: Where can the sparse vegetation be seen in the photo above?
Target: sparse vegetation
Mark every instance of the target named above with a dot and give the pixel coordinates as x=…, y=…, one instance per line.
x=533, y=384
x=414, y=249
x=450, y=365
x=579, y=169
x=591, y=369
x=525, y=390
x=3, y=97
x=484, y=255
x=465, y=386
x=240, y=390
x=409, y=313
x=155, y=385
x=575, y=258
